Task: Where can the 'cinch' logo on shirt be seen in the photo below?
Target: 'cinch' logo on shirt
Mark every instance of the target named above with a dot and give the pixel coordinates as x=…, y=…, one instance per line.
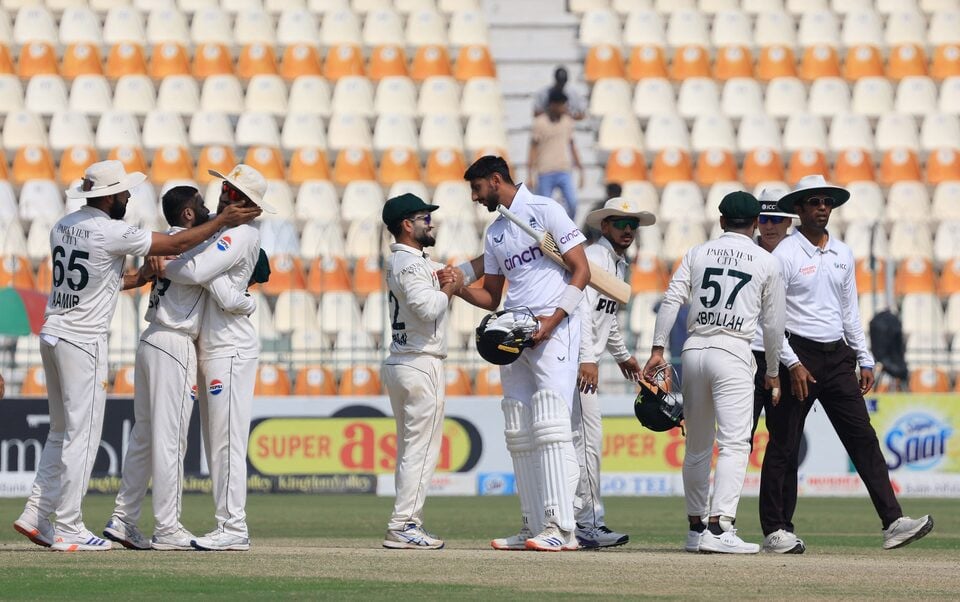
x=569, y=236
x=520, y=259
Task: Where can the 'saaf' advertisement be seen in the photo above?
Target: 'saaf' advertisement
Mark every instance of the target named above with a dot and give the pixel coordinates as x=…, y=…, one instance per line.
x=326, y=445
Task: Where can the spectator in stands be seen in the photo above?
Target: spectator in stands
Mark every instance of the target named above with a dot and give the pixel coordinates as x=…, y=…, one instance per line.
x=553, y=152
x=577, y=102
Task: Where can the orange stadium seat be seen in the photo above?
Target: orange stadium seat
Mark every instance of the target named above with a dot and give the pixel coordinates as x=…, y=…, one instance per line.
x=125, y=59
x=946, y=61
x=267, y=160
x=34, y=382
x=906, y=60
x=342, y=61
x=603, y=61
x=131, y=157
x=915, y=275
x=853, y=165
x=360, y=380
x=430, y=61
x=646, y=61
x=762, y=165
x=474, y=61
x=171, y=163
x=819, y=61
x=806, y=162
x=624, y=165
x=32, y=163
x=315, y=380
x=353, y=164
x=74, y=161
x=488, y=382
x=943, y=165
x=929, y=379
x=733, y=61
x=123, y=383
x=216, y=157
x=81, y=59
x=367, y=276
x=457, y=381
x=3, y=166
x=211, y=59
x=871, y=281
x=670, y=165
x=899, y=164
x=256, y=59
x=168, y=58
x=6, y=62
x=16, y=271
x=272, y=380
x=776, y=61
x=398, y=165
x=445, y=164
x=690, y=61
x=44, y=278
x=949, y=281
x=36, y=58
x=387, y=61
x=863, y=61
x=714, y=166
x=328, y=274
x=286, y=274
x=308, y=164
x=647, y=274
x=300, y=60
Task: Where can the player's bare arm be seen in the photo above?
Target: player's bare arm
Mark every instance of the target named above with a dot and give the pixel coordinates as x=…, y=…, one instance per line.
x=588, y=377
x=486, y=297
x=576, y=259
x=800, y=379
x=630, y=369
x=175, y=244
x=655, y=361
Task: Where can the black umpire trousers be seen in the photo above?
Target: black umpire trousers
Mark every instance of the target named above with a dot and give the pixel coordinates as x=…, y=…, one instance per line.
x=833, y=365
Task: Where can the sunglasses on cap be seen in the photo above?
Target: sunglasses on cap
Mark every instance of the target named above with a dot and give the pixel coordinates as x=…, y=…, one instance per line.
x=426, y=219
x=233, y=193
x=621, y=223
x=816, y=201
x=771, y=219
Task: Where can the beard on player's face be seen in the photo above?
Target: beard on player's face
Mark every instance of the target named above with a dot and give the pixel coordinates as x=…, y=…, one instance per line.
x=423, y=234
x=491, y=201
x=200, y=212
x=118, y=208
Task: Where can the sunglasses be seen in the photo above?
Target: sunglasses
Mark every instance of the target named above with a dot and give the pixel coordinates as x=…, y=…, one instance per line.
x=622, y=223
x=817, y=201
x=771, y=219
x=233, y=193
x=426, y=219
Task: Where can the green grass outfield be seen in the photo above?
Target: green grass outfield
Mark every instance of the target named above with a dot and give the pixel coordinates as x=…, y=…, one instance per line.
x=308, y=546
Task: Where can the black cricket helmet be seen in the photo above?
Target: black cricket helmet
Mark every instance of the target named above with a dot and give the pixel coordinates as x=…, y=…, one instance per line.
x=659, y=405
x=503, y=335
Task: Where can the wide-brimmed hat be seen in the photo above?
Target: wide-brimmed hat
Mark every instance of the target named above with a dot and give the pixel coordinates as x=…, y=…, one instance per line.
x=769, y=198
x=813, y=185
x=249, y=181
x=620, y=207
x=103, y=179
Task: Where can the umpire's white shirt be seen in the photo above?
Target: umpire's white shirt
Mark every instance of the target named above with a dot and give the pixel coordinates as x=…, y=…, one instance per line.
x=732, y=284
x=535, y=281
x=417, y=307
x=822, y=303
x=599, y=325
x=88, y=249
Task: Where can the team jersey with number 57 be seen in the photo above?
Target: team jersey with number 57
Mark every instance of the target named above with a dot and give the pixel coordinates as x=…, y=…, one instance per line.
x=88, y=249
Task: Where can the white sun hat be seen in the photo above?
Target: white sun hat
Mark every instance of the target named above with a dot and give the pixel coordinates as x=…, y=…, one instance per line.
x=249, y=181
x=103, y=179
x=812, y=185
x=620, y=207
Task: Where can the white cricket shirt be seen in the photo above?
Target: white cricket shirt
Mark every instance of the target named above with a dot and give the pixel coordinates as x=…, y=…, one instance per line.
x=535, y=280
x=88, y=249
x=599, y=325
x=417, y=309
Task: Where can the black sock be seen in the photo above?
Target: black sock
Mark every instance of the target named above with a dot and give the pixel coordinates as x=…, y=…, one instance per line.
x=699, y=527
x=715, y=529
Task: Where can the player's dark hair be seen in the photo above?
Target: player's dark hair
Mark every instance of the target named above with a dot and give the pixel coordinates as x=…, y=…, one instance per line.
x=174, y=200
x=738, y=223
x=556, y=96
x=394, y=228
x=486, y=166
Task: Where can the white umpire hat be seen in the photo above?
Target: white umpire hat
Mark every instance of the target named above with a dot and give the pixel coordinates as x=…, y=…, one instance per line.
x=768, y=203
x=103, y=179
x=620, y=207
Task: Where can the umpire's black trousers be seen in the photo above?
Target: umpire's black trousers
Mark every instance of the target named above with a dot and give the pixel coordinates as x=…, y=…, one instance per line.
x=833, y=365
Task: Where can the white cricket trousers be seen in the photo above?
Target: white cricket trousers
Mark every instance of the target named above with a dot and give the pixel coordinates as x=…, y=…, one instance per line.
x=415, y=384
x=76, y=376
x=552, y=365
x=717, y=404
x=588, y=441
x=166, y=370
x=226, y=405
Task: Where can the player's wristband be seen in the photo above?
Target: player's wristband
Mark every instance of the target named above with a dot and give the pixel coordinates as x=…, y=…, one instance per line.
x=469, y=276
x=570, y=299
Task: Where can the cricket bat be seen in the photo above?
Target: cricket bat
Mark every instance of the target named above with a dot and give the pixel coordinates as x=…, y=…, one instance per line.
x=600, y=279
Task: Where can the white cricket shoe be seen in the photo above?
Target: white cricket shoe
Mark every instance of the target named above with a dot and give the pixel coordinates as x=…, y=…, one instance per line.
x=782, y=541
x=218, y=541
x=514, y=543
x=726, y=543
x=693, y=541
x=178, y=540
x=599, y=537
x=411, y=537
x=85, y=541
x=127, y=535
x=906, y=530
x=553, y=539
x=37, y=530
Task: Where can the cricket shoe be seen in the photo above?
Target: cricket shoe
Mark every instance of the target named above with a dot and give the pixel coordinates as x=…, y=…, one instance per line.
x=84, y=541
x=906, y=530
x=178, y=540
x=593, y=538
x=128, y=536
x=411, y=537
x=514, y=543
x=39, y=531
x=782, y=541
x=218, y=541
x=553, y=539
x=693, y=541
x=726, y=543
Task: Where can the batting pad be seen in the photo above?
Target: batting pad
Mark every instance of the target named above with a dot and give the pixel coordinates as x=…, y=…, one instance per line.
x=560, y=470
x=520, y=445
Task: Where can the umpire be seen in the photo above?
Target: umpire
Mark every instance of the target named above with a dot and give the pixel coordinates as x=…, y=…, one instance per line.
x=826, y=342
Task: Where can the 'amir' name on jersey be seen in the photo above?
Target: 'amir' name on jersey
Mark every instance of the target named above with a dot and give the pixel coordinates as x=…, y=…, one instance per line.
x=64, y=300
x=729, y=256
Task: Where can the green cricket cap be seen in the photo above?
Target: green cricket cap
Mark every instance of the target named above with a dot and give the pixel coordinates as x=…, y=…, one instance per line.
x=401, y=206
x=740, y=205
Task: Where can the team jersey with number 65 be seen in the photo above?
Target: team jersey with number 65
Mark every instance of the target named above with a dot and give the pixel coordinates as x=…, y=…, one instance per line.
x=88, y=249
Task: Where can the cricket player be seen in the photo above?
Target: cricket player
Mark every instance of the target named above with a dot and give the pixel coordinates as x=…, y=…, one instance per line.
x=88, y=249
x=413, y=373
x=164, y=390
x=538, y=387
x=617, y=221
x=227, y=352
x=731, y=284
